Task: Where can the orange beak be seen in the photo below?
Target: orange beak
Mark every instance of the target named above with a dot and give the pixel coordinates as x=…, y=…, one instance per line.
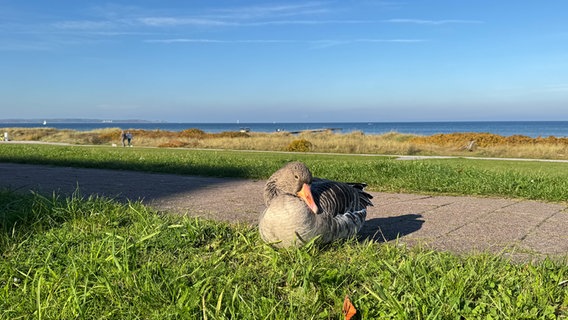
x=306, y=195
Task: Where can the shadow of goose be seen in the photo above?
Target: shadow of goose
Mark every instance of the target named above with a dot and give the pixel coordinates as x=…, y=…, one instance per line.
x=390, y=228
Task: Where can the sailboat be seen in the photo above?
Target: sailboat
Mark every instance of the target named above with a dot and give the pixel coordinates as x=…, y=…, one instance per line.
x=44, y=122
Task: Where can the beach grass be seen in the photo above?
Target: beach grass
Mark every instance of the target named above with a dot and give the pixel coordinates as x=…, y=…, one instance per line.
x=392, y=143
x=94, y=258
x=497, y=178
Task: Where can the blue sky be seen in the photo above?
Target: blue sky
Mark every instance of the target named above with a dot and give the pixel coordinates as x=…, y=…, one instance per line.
x=284, y=61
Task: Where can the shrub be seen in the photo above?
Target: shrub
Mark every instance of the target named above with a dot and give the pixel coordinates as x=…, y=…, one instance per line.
x=412, y=150
x=192, y=133
x=299, y=145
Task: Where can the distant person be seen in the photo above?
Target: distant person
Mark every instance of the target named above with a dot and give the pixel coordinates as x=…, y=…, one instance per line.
x=124, y=138
x=6, y=136
x=129, y=138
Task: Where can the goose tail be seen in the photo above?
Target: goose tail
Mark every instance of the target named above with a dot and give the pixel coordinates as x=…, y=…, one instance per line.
x=364, y=196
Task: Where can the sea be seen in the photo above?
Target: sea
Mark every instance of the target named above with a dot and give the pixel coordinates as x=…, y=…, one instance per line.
x=505, y=128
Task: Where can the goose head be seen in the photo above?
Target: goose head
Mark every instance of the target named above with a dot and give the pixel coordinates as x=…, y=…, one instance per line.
x=294, y=179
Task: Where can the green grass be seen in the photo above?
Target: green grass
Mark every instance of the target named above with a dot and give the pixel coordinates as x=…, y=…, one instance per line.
x=93, y=258
x=515, y=179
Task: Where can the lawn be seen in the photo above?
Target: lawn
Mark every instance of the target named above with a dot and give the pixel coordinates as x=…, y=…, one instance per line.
x=93, y=258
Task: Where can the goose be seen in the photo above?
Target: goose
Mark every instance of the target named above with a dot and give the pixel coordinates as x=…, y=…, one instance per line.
x=300, y=207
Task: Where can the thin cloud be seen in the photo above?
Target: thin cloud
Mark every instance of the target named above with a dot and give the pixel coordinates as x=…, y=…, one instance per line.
x=433, y=22
x=116, y=21
x=83, y=25
x=556, y=88
x=16, y=47
x=103, y=28
x=391, y=40
x=320, y=44
x=268, y=11
x=307, y=22
x=314, y=43
x=249, y=16
x=178, y=21
x=189, y=40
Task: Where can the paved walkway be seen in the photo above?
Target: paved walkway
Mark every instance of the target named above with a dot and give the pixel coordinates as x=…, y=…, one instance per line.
x=518, y=228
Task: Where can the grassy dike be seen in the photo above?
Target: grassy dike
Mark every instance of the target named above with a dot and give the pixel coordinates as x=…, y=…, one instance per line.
x=94, y=258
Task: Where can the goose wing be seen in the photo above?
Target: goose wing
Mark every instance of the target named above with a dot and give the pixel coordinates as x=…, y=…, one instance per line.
x=343, y=208
x=334, y=198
